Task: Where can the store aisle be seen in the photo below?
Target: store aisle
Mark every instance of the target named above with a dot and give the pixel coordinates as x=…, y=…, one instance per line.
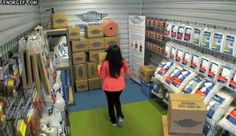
x=141, y=119
x=96, y=99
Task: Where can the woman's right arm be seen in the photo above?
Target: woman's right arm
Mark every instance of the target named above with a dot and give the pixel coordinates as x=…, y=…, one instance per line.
x=102, y=71
x=126, y=69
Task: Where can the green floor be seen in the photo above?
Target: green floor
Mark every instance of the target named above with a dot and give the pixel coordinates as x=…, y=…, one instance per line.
x=141, y=119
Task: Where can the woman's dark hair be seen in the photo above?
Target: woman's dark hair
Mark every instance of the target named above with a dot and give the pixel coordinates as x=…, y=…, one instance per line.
x=114, y=58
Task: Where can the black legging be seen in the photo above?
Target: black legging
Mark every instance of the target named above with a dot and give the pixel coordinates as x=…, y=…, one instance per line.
x=113, y=100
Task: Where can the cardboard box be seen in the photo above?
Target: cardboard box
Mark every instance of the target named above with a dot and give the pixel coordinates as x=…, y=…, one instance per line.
x=96, y=43
x=111, y=41
x=93, y=55
x=94, y=83
x=94, y=31
x=92, y=70
x=79, y=58
x=81, y=85
x=59, y=20
x=101, y=56
x=81, y=72
x=165, y=129
x=78, y=46
x=146, y=72
x=74, y=32
x=186, y=113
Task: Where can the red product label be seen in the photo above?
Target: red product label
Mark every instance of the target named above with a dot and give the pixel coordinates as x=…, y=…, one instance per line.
x=173, y=34
x=202, y=69
x=186, y=37
x=169, y=79
x=177, y=81
x=222, y=78
x=233, y=83
x=211, y=74
x=184, y=61
x=233, y=114
x=193, y=65
x=199, y=92
x=179, y=36
x=167, y=32
x=163, y=71
x=177, y=58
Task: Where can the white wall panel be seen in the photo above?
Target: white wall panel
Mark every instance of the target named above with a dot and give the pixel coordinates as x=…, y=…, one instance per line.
x=117, y=10
x=213, y=12
x=16, y=20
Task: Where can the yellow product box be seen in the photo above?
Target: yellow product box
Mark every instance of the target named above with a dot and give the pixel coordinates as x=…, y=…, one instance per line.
x=79, y=58
x=96, y=43
x=93, y=55
x=81, y=85
x=94, y=83
x=74, y=32
x=80, y=72
x=59, y=20
x=101, y=56
x=146, y=72
x=94, y=31
x=78, y=46
x=111, y=41
x=92, y=70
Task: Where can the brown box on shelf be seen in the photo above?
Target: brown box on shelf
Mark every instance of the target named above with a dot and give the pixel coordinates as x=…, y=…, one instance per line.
x=111, y=41
x=78, y=46
x=165, y=129
x=79, y=58
x=93, y=31
x=96, y=43
x=101, y=57
x=81, y=85
x=94, y=83
x=81, y=72
x=93, y=55
x=74, y=32
x=146, y=72
x=59, y=20
x=92, y=70
x=193, y=109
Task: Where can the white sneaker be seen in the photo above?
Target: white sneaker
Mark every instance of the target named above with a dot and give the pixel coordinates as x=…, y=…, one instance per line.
x=120, y=122
x=114, y=124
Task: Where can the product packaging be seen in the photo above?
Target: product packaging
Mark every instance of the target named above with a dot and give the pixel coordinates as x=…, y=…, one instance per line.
x=59, y=20
x=173, y=53
x=111, y=41
x=94, y=83
x=186, y=59
x=218, y=106
x=93, y=55
x=81, y=72
x=193, y=85
x=96, y=43
x=207, y=90
x=208, y=129
x=180, y=32
x=146, y=72
x=224, y=75
x=204, y=65
x=79, y=58
x=229, y=44
x=217, y=42
x=168, y=29
x=195, y=62
x=74, y=32
x=232, y=82
x=94, y=31
x=206, y=39
x=92, y=70
x=193, y=109
x=188, y=34
x=214, y=69
x=164, y=69
x=179, y=55
x=168, y=49
x=197, y=34
x=173, y=75
x=228, y=122
x=174, y=30
x=79, y=46
x=81, y=85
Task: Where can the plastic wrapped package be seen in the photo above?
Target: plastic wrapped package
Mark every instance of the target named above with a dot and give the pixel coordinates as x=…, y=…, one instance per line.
x=208, y=129
x=173, y=75
x=214, y=69
x=217, y=41
x=164, y=69
x=232, y=82
x=204, y=65
x=60, y=102
x=207, y=90
x=224, y=75
x=229, y=121
x=179, y=55
x=229, y=44
x=188, y=34
x=195, y=62
x=168, y=49
x=168, y=29
x=186, y=59
x=174, y=30
x=197, y=34
x=22, y=44
x=206, y=39
x=218, y=106
x=193, y=85
x=180, y=81
x=173, y=53
x=180, y=32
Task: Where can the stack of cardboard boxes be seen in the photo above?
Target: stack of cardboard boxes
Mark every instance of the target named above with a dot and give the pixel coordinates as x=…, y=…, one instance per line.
x=186, y=116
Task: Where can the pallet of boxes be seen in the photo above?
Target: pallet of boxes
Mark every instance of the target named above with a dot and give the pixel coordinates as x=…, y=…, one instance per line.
x=88, y=53
x=186, y=116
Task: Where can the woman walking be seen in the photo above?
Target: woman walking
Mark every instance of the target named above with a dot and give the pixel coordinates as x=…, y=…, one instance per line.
x=112, y=73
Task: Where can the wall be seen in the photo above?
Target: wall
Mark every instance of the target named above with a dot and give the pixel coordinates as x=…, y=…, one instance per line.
x=213, y=12
x=117, y=10
x=16, y=20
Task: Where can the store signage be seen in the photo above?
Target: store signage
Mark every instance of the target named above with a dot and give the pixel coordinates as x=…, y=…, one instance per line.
x=136, y=44
x=92, y=16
